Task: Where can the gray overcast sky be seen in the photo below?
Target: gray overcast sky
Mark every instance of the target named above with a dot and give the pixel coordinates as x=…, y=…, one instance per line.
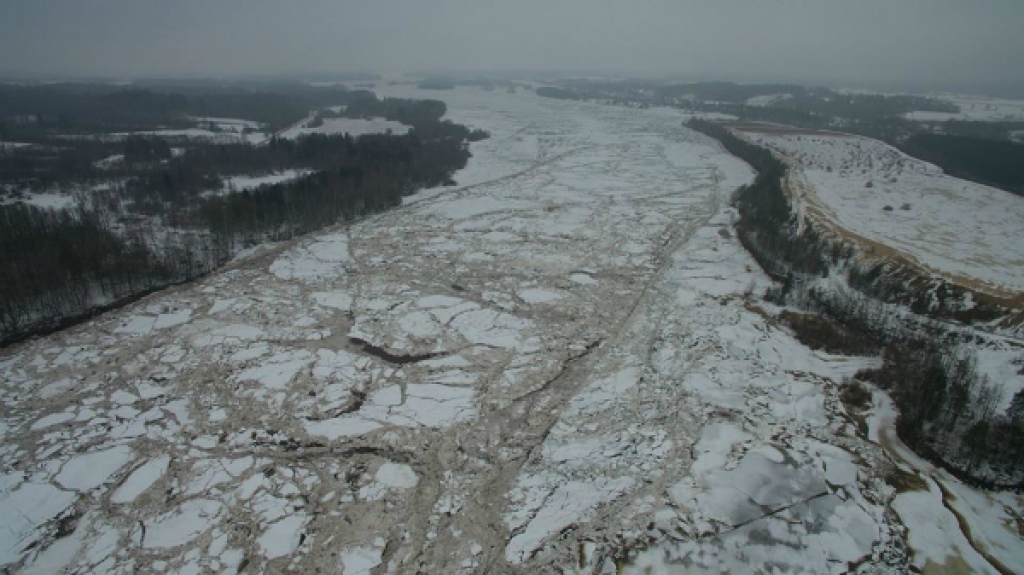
x=864, y=42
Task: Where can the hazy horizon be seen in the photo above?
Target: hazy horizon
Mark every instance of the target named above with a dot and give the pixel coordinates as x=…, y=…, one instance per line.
x=912, y=44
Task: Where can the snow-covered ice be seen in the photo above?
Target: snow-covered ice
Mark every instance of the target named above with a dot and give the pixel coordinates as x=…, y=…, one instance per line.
x=555, y=365
x=90, y=470
x=182, y=525
x=25, y=510
x=141, y=479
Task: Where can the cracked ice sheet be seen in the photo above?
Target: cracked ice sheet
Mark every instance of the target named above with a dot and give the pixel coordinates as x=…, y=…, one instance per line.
x=314, y=261
x=423, y=405
x=91, y=470
x=140, y=480
x=25, y=511
x=747, y=397
x=570, y=503
x=567, y=198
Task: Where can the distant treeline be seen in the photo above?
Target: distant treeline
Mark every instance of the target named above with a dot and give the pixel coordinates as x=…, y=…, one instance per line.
x=55, y=160
x=30, y=112
x=997, y=163
x=862, y=106
x=423, y=115
x=729, y=97
x=821, y=102
x=978, y=151
x=730, y=91
x=566, y=93
x=158, y=227
x=947, y=409
x=893, y=129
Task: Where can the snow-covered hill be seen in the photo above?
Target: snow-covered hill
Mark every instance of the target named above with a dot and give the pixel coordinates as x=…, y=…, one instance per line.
x=948, y=226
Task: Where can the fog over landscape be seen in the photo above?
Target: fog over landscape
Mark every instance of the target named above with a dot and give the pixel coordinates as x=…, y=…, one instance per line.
x=912, y=43
x=580, y=287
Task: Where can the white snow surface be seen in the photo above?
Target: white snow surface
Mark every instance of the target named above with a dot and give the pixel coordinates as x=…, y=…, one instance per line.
x=25, y=510
x=974, y=108
x=555, y=365
x=90, y=470
x=360, y=560
x=223, y=137
x=389, y=476
x=51, y=200
x=231, y=124
x=241, y=183
x=182, y=525
x=351, y=126
x=282, y=538
x=768, y=99
x=933, y=514
x=949, y=226
x=141, y=479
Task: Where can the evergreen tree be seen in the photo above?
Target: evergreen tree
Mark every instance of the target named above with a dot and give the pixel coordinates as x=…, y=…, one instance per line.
x=1015, y=413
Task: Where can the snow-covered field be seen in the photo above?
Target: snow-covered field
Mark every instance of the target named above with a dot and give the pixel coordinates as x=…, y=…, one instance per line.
x=60, y=196
x=553, y=367
x=229, y=124
x=948, y=226
x=12, y=145
x=50, y=200
x=768, y=99
x=243, y=182
x=218, y=130
x=225, y=137
x=975, y=109
x=352, y=126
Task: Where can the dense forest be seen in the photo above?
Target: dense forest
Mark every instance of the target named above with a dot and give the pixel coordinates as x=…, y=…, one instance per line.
x=993, y=162
x=947, y=409
x=60, y=263
x=30, y=112
x=161, y=214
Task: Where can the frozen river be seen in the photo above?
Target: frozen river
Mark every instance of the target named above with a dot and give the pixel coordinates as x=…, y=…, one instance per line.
x=555, y=362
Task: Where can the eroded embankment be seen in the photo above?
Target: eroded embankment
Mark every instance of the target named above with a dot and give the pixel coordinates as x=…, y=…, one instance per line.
x=790, y=235
x=911, y=317
x=861, y=317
